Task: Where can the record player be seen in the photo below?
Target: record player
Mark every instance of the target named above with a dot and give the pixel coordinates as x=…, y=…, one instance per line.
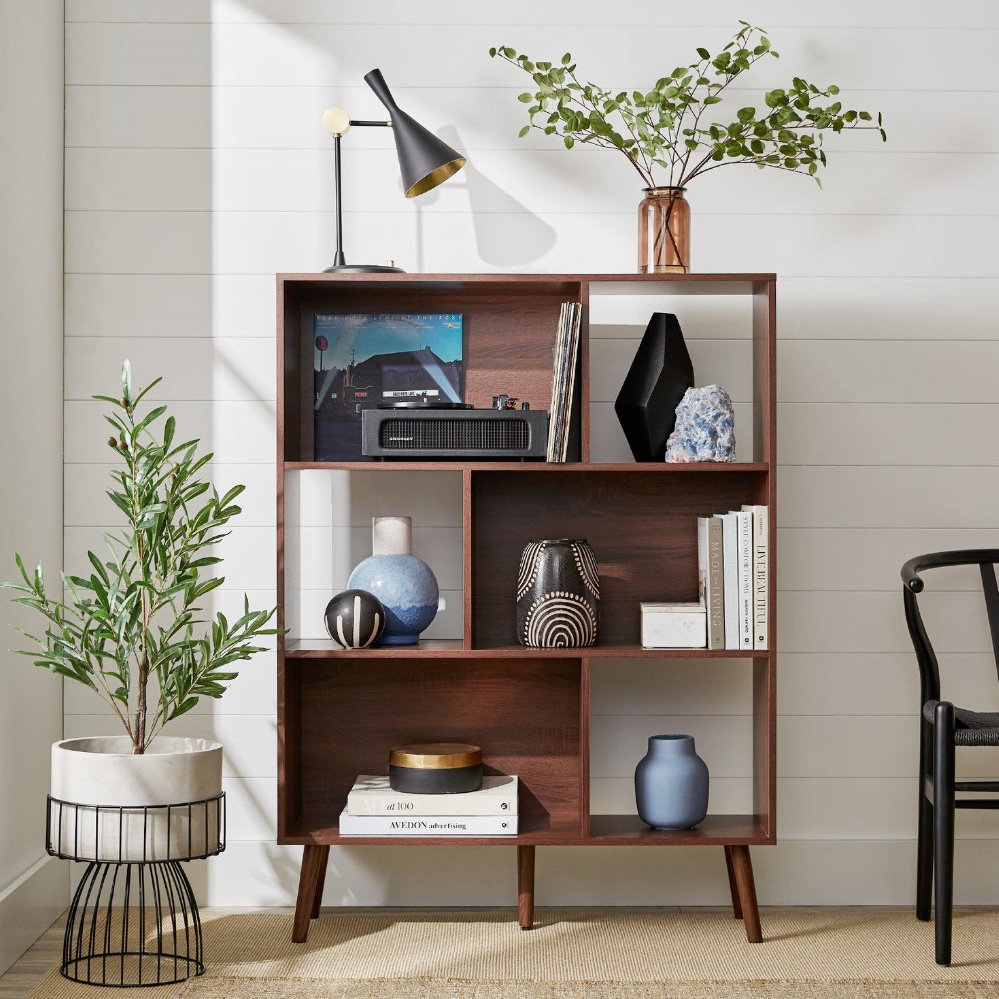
x=431, y=429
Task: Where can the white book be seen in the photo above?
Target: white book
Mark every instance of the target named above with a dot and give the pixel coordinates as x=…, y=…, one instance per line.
x=745, y=521
x=427, y=825
x=761, y=574
x=372, y=795
x=709, y=573
x=730, y=557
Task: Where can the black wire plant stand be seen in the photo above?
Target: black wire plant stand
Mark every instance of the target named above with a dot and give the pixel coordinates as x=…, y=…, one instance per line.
x=134, y=920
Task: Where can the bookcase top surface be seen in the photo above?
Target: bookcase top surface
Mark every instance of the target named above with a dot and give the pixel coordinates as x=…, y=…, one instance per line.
x=523, y=278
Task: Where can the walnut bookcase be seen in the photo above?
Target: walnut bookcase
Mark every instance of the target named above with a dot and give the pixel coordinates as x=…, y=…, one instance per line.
x=529, y=709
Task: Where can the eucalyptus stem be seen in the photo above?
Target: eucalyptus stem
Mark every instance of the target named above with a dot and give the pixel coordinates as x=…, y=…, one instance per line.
x=650, y=128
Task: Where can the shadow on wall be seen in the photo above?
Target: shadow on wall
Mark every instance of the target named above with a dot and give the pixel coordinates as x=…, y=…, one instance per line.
x=490, y=208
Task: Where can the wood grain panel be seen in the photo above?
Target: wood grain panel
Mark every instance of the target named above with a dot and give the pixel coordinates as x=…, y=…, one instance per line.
x=642, y=529
x=525, y=718
x=508, y=331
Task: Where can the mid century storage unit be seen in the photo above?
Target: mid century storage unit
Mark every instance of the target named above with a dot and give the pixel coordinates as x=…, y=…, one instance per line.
x=340, y=711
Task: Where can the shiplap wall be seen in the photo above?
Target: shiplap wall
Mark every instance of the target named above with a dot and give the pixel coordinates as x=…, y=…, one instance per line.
x=33, y=886
x=196, y=167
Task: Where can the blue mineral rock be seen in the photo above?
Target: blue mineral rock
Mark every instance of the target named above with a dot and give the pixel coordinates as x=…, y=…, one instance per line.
x=705, y=427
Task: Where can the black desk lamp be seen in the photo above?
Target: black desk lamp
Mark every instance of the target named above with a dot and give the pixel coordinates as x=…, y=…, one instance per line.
x=424, y=161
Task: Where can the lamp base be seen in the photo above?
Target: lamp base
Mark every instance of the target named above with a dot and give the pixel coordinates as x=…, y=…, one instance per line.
x=363, y=269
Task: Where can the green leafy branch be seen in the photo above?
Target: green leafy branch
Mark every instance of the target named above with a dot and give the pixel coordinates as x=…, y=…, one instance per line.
x=137, y=614
x=668, y=129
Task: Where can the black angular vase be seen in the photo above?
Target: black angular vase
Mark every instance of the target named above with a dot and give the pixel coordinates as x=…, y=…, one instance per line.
x=656, y=381
x=558, y=594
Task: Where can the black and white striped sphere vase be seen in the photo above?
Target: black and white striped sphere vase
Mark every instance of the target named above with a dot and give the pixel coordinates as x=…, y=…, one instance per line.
x=558, y=594
x=355, y=619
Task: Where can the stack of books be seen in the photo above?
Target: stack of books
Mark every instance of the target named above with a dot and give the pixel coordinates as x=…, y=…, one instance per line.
x=374, y=809
x=733, y=571
x=563, y=380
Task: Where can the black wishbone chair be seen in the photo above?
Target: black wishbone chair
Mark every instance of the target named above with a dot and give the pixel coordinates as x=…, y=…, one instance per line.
x=944, y=727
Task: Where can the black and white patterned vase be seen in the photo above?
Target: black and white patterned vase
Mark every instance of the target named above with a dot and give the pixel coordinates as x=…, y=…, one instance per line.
x=558, y=594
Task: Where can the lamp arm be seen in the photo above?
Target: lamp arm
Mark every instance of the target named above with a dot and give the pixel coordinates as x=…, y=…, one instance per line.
x=383, y=124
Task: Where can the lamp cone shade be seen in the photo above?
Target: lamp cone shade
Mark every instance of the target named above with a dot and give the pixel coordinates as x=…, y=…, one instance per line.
x=424, y=160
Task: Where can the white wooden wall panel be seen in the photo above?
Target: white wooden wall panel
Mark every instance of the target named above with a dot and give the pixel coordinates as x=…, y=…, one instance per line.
x=266, y=54
x=287, y=117
x=298, y=180
x=196, y=168
x=240, y=305
x=722, y=13
x=263, y=242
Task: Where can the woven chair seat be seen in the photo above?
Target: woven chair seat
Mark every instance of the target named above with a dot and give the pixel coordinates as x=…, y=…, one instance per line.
x=971, y=728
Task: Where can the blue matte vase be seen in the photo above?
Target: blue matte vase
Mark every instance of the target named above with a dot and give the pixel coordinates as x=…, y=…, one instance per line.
x=404, y=584
x=671, y=784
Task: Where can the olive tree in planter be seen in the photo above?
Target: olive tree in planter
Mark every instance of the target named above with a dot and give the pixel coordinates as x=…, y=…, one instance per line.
x=674, y=132
x=133, y=631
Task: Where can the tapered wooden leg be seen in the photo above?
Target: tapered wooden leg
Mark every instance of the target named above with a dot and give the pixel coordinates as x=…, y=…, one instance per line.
x=733, y=887
x=321, y=881
x=313, y=866
x=742, y=869
x=525, y=886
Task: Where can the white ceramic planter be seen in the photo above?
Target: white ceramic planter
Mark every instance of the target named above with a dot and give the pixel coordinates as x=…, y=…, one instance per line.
x=101, y=773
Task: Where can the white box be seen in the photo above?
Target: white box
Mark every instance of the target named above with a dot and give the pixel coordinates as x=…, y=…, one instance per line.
x=674, y=626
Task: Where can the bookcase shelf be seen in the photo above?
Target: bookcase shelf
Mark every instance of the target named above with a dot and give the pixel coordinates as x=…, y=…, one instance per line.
x=340, y=710
x=604, y=830
x=319, y=649
x=482, y=467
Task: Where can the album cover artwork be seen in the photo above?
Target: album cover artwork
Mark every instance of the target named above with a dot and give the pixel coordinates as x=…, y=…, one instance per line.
x=361, y=361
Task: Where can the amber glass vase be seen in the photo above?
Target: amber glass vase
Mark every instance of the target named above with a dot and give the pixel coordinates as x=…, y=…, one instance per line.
x=663, y=232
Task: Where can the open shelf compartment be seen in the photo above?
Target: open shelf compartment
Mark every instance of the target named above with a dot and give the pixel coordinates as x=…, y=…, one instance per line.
x=341, y=721
x=642, y=529
x=508, y=332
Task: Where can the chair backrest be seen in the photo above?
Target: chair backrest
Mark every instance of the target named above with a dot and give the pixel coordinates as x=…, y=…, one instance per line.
x=985, y=559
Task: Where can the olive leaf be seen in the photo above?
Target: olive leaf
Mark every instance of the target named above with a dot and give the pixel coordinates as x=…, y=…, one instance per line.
x=137, y=616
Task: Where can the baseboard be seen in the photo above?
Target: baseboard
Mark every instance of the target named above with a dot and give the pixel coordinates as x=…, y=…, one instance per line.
x=30, y=905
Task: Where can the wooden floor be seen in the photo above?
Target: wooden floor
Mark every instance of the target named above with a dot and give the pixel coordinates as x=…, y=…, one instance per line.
x=34, y=963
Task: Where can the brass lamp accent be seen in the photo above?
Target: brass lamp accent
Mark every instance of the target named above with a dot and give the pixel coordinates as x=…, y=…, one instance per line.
x=425, y=161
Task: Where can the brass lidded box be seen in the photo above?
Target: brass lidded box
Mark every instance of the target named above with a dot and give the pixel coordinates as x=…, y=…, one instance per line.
x=435, y=768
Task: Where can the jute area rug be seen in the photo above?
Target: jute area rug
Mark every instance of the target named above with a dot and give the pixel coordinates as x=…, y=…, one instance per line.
x=583, y=954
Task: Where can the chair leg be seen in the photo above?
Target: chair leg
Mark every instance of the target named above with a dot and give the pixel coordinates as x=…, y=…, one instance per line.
x=943, y=826
x=924, y=843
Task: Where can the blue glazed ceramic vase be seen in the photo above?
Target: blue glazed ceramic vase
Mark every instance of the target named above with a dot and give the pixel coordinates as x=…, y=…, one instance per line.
x=671, y=784
x=404, y=584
